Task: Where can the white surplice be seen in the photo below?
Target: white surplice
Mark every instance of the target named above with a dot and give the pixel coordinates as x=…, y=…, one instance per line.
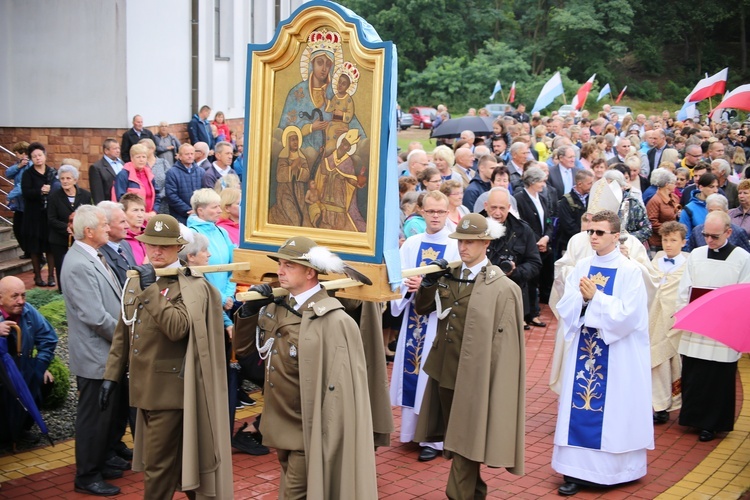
x=579, y=247
x=410, y=257
x=627, y=426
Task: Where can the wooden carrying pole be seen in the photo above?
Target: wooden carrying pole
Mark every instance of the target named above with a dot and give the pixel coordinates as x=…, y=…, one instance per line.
x=217, y=268
x=345, y=282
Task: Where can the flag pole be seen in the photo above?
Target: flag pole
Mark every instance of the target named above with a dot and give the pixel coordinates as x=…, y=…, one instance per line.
x=502, y=94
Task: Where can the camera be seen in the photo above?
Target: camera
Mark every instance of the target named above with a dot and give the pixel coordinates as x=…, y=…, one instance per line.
x=505, y=263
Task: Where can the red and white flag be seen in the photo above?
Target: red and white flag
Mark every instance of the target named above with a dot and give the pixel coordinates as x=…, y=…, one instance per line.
x=580, y=98
x=709, y=86
x=622, y=93
x=512, y=94
x=739, y=98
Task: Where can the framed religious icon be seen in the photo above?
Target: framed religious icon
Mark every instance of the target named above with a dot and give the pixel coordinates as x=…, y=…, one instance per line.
x=320, y=137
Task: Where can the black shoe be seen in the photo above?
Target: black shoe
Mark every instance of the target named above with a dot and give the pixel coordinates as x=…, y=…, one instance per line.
x=428, y=454
x=526, y=327
x=24, y=256
x=540, y=324
x=244, y=399
x=51, y=283
x=124, y=452
x=99, y=488
x=40, y=282
x=246, y=443
x=109, y=473
x=568, y=489
x=661, y=417
x=393, y=345
x=706, y=436
x=115, y=462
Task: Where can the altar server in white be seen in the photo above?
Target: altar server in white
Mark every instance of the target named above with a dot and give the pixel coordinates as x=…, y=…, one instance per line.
x=408, y=381
x=604, y=423
x=709, y=368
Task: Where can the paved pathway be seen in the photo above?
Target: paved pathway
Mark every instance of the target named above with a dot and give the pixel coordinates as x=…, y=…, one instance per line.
x=679, y=467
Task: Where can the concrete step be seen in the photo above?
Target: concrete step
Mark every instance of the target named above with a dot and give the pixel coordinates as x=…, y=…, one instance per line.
x=14, y=267
x=9, y=250
x=6, y=234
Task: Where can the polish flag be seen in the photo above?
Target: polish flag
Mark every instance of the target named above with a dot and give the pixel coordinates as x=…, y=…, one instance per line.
x=580, y=98
x=512, y=94
x=622, y=93
x=739, y=98
x=709, y=86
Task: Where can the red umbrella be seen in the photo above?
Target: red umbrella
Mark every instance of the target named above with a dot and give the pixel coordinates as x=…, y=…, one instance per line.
x=720, y=315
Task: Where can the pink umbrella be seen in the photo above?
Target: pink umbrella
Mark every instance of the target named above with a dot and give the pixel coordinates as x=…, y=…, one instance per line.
x=720, y=315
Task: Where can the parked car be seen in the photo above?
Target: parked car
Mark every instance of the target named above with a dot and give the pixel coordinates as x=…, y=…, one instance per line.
x=423, y=116
x=404, y=120
x=500, y=110
x=565, y=110
x=621, y=111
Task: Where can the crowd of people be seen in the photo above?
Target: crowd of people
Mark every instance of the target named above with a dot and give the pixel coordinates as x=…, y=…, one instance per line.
x=611, y=224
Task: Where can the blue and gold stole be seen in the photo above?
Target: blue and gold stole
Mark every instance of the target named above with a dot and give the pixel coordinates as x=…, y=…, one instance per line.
x=590, y=383
x=416, y=329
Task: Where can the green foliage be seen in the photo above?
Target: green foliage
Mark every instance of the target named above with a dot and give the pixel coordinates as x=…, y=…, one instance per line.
x=54, y=312
x=441, y=41
x=646, y=90
x=38, y=297
x=674, y=92
x=59, y=394
x=463, y=82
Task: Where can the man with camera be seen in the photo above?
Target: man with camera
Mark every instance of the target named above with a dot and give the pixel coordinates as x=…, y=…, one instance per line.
x=515, y=252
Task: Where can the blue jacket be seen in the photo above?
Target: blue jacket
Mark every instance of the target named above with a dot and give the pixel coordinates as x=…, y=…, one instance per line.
x=476, y=187
x=220, y=247
x=694, y=213
x=200, y=131
x=15, y=198
x=35, y=332
x=179, y=185
x=239, y=166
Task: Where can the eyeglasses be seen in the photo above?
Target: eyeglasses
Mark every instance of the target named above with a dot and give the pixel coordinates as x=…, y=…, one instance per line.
x=436, y=212
x=599, y=232
x=713, y=236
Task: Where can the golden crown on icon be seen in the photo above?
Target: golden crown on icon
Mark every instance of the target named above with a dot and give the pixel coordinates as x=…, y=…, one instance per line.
x=324, y=40
x=351, y=71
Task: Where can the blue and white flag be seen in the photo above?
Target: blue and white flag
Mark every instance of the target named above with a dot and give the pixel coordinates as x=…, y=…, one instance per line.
x=497, y=89
x=604, y=91
x=687, y=111
x=551, y=89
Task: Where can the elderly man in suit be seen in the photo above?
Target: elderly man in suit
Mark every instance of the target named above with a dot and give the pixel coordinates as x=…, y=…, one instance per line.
x=102, y=173
x=562, y=175
x=134, y=135
x=92, y=303
x=118, y=255
x=170, y=336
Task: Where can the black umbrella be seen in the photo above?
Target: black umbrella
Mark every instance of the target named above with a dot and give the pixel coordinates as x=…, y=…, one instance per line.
x=480, y=125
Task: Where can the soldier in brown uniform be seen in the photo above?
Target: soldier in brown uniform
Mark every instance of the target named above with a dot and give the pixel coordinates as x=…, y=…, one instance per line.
x=171, y=336
x=474, y=400
x=317, y=408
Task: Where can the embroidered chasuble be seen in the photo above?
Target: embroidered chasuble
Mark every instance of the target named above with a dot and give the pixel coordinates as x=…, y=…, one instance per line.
x=590, y=389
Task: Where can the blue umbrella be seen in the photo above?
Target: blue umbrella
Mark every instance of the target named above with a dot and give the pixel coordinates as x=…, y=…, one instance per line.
x=16, y=385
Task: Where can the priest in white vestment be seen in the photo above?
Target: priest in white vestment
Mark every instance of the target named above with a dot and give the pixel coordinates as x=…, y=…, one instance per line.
x=408, y=380
x=579, y=247
x=604, y=423
x=709, y=367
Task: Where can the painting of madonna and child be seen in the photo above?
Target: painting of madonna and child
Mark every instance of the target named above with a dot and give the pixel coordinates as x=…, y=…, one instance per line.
x=320, y=154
